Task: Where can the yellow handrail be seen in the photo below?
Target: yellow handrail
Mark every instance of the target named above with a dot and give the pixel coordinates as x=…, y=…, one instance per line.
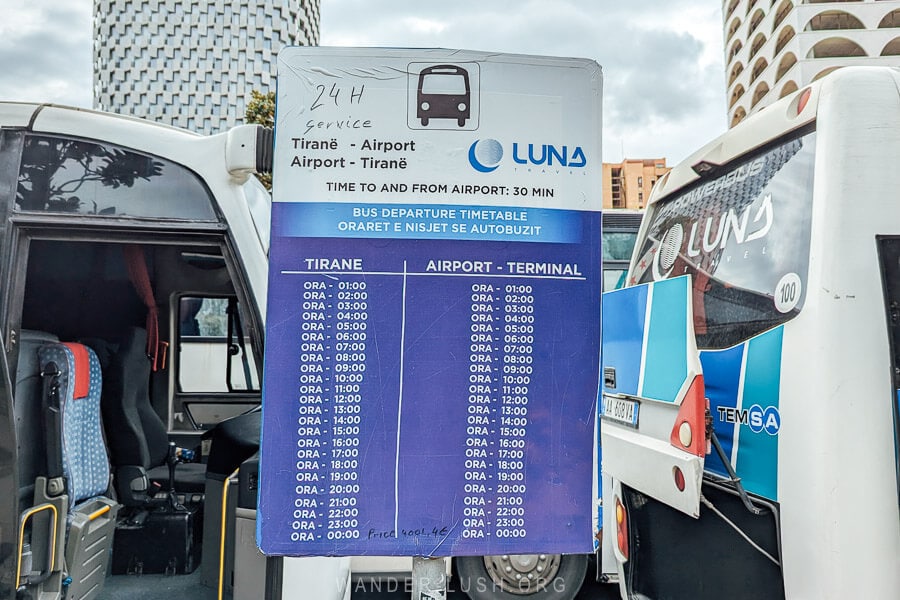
x=25, y=517
x=228, y=481
x=99, y=512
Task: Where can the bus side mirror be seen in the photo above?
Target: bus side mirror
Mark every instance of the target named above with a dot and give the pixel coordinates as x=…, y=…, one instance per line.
x=249, y=149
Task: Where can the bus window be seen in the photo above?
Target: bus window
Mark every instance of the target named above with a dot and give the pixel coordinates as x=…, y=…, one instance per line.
x=64, y=175
x=208, y=341
x=619, y=232
x=744, y=237
x=217, y=369
x=617, y=245
x=449, y=82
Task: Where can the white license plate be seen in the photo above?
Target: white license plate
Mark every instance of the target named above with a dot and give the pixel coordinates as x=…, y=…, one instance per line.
x=621, y=410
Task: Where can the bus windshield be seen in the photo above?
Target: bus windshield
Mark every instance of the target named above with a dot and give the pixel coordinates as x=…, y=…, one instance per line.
x=617, y=245
x=452, y=84
x=744, y=237
x=619, y=235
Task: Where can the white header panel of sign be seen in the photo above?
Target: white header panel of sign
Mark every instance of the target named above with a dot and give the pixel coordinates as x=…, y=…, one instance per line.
x=422, y=127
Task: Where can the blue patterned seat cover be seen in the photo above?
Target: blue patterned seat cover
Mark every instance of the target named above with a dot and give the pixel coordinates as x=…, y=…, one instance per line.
x=84, y=459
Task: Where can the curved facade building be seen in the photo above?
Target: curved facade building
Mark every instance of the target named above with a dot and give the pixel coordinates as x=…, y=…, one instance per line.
x=774, y=47
x=193, y=63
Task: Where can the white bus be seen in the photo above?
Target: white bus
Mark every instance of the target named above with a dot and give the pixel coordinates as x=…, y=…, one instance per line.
x=131, y=239
x=751, y=370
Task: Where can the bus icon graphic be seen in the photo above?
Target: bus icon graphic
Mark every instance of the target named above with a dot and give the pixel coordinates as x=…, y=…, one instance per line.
x=443, y=92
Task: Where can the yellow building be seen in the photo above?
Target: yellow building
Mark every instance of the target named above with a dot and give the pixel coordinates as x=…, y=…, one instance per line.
x=628, y=184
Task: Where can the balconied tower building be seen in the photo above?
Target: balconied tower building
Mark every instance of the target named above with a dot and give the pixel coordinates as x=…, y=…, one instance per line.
x=193, y=63
x=774, y=47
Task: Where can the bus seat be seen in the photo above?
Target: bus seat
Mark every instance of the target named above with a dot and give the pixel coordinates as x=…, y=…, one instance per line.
x=137, y=437
x=29, y=417
x=76, y=453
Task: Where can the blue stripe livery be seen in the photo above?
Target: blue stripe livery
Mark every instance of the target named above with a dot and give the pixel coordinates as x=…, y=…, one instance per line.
x=665, y=368
x=722, y=377
x=750, y=415
x=623, y=313
x=625, y=324
x=757, y=458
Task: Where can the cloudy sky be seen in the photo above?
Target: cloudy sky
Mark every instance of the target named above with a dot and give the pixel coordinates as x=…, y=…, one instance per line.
x=664, y=83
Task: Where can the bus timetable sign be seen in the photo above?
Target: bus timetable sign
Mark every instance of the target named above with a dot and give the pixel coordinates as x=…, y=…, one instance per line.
x=433, y=327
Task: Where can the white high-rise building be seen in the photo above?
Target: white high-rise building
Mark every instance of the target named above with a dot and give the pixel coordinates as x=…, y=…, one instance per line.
x=193, y=63
x=774, y=47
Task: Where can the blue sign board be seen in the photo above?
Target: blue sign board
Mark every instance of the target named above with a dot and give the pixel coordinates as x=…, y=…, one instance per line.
x=433, y=324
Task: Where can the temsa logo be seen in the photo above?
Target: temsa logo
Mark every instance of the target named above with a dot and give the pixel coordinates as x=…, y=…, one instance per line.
x=756, y=417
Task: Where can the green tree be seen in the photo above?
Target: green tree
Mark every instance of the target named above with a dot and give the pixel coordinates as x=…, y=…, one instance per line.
x=261, y=111
x=261, y=108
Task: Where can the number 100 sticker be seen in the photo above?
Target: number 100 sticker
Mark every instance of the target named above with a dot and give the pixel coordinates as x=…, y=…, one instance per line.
x=788, y=292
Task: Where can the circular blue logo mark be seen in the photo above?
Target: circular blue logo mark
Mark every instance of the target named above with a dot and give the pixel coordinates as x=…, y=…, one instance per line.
x=766, y=419
x=754, y=418
x=485, y=155
x=771, y=420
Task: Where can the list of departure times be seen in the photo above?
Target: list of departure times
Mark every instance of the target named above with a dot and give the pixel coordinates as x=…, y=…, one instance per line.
x=445, y=399
x=332, y=371
x=498, y=410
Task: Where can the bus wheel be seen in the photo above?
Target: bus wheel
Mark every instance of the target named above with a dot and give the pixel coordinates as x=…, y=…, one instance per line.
x=522, y=576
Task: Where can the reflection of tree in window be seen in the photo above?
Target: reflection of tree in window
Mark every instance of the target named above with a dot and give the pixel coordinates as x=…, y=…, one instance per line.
x=54, y=170
x=77, y=176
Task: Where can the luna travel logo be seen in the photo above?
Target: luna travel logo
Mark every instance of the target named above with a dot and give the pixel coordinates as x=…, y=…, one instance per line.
x=486, y=155
x=712, y=234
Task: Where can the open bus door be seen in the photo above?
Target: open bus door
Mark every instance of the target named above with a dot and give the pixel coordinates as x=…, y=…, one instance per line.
x=8, y=483
x=652, y=378
x=165, y=241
